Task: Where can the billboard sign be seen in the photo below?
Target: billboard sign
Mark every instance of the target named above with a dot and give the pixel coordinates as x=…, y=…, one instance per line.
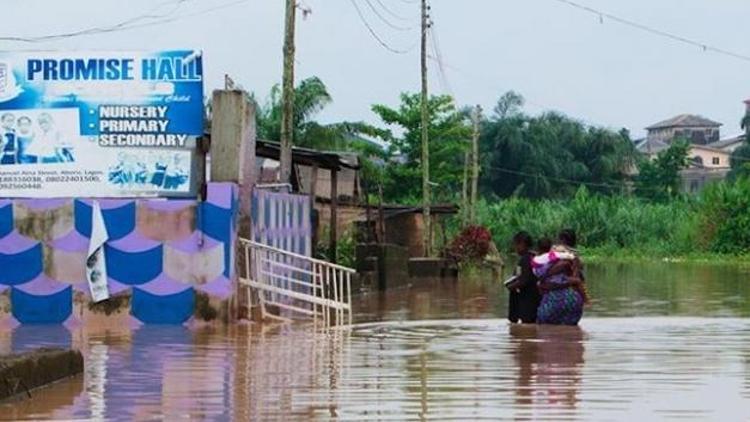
x=99, y=124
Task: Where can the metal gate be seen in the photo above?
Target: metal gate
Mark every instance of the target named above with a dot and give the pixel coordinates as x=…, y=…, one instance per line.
x=296, y=285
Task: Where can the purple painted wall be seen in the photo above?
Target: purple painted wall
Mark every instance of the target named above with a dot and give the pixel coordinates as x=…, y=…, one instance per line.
x=167, y=261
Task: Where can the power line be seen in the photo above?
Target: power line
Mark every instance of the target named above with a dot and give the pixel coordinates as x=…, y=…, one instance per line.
x=386, y=21
x=442, y=75
x=375, y=34
x=391, y=12
x=128, y=24
x=120, y=25
x=655, y=31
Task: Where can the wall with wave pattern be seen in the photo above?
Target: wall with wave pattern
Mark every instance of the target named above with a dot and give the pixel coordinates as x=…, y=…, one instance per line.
x=168, y=261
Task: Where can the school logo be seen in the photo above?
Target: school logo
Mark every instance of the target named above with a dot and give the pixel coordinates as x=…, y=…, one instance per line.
x=8, y=88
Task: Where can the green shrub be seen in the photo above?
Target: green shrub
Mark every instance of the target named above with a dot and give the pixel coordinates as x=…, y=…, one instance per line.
x=604, y=222
x=725, y=217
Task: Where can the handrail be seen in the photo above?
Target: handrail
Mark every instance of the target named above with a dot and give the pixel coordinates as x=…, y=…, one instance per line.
x=287, y=281
x=296, y=255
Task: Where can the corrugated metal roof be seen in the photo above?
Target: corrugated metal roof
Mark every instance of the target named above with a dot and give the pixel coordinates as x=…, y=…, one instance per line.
x=305, y=156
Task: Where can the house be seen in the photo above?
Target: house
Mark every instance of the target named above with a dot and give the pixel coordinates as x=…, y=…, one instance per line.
x=729, y=144
x=694, y=128
x=709, y=156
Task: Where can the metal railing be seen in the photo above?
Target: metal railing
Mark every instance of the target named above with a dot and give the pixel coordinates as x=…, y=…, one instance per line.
x=292, y=286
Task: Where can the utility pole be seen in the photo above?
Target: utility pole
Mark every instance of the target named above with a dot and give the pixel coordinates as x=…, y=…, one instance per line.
x=476, y=117
x=287, y=95
x=426, y=194
x=465, y=191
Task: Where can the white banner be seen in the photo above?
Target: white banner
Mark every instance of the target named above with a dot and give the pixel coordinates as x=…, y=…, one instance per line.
x=96, y=264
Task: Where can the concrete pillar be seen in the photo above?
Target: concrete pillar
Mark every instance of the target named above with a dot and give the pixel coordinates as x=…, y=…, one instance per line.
x=232, y=155
x=233, y=146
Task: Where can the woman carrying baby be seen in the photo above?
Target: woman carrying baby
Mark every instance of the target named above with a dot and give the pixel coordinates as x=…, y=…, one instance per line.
x=561, y=282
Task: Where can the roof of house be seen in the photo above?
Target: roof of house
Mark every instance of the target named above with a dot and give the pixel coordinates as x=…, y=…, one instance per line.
x=724, y=143
x=685, y=120
x=651, y=146
x=306, y=156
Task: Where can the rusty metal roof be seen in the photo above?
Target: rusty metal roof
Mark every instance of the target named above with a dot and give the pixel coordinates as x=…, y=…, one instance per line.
x=309, y=157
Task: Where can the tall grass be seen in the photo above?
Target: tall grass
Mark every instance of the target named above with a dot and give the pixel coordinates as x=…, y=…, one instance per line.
x=609, y=224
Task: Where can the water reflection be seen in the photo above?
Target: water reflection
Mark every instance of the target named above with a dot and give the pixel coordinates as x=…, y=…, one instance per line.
x=437, y=351
x=550, y=362
x=618, y=290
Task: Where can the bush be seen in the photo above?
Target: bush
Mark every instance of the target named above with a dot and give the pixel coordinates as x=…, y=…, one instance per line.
x=606, y=222
x=725, y=217
x=471, y=246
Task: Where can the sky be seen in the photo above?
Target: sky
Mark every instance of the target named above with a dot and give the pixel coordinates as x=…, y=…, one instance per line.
x=559, y=57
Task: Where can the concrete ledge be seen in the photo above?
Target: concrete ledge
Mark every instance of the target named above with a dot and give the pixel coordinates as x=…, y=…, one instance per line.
x=23, y=372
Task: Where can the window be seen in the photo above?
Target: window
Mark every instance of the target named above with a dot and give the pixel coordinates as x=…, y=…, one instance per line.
x=694, y=186
x=716, y=161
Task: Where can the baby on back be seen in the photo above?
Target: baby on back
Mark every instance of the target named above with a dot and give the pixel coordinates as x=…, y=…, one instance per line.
x=563, y=258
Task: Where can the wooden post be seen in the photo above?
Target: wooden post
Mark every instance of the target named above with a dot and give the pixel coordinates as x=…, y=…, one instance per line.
x=465, y=189
x=287, y=95
x=313, y=201
x=381, y=216
x=368, y=217
x=475, y=165
x=426, y=188
x=334, y=214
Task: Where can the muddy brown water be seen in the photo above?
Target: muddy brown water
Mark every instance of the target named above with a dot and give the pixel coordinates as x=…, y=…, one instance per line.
x=661, y=341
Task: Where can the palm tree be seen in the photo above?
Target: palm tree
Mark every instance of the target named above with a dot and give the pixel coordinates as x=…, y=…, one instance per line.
x=310, y=97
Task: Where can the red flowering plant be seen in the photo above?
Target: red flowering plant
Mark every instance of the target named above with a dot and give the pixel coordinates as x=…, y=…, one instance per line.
x=471, y=246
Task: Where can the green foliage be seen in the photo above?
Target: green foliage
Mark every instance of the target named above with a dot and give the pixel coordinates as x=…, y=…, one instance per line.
x=740, y=162
x=449, y=132
x=310, y=97
x=659, y=179
x=611, y=222
x=725, y=216
x=740, y=159
x=539, y=156
x=345, y=248
x=716, y=222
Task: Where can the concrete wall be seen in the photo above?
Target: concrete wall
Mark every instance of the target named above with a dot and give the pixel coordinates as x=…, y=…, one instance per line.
x=166, y=260
x=710, y=158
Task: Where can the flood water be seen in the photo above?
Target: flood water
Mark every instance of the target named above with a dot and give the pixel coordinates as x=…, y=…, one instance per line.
x=661, y=341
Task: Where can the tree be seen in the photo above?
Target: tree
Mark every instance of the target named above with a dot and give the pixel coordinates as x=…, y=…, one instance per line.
x=550, y=155
x=310, y=97
x=449, y=132
x=740, y=159
x=659, y=179
x=509, y=104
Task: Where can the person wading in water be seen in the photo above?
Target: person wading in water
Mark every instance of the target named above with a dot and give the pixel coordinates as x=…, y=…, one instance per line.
x=561, y=282
x=524, y=295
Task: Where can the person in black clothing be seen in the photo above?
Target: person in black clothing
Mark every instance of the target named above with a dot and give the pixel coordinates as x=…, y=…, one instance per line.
x=524, y=295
